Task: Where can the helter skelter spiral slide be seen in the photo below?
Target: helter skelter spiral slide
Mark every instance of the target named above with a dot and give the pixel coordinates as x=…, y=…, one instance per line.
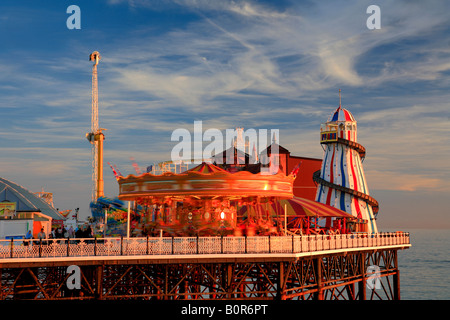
x=341, y=180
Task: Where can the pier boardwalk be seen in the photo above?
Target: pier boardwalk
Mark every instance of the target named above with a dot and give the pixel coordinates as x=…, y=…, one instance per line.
x=347, y=266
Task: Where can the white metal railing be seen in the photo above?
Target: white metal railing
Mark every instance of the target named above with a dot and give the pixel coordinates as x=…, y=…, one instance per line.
x=195, y=245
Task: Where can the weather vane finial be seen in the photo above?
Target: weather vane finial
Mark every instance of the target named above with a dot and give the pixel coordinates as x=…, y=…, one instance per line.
x=339, y=98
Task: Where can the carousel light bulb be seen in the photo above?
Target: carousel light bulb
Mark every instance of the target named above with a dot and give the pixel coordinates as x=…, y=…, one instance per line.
x=222, y=215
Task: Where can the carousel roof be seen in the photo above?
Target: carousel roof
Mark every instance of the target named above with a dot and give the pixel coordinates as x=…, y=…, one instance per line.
x=298, y=207
x=206, y=180
x=306, y=207
x=206, y=168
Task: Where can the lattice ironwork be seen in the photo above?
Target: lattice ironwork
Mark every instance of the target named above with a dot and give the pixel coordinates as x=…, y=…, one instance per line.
x=344, y=275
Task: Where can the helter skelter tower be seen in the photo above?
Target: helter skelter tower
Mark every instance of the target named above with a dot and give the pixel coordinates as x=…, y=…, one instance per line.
x=341, y=180
x=96, y=137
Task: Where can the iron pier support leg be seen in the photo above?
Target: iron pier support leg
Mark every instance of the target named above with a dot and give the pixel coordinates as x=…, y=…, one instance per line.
x=99, y=282
x=319, y=294
x=166, y=282
x=362, y=283
x=396, y=278
x=1, y=284
x=280, y=282
x=229, y=280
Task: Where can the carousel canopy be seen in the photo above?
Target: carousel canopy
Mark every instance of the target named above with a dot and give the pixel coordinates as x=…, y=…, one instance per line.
x=298, y=207
x=206, y=180
x=305, y=207
x=206, y=168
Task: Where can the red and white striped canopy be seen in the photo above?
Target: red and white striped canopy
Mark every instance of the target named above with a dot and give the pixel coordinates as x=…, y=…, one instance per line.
x=341, y=114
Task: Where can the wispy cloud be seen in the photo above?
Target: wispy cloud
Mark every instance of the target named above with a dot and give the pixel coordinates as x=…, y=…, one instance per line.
x=235, y=63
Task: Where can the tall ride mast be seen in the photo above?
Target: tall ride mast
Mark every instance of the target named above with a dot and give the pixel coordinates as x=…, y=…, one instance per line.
x=96, y=137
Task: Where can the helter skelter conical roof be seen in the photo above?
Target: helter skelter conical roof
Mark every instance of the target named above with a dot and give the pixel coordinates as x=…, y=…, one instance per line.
x=341, y=114
x=206, y=180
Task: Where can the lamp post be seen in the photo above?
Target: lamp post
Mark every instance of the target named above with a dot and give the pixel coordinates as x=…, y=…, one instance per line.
x=128, y=219
x=106, y=222
x=285, y=219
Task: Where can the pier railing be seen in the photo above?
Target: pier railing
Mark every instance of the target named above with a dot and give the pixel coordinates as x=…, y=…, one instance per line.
x=195, y=245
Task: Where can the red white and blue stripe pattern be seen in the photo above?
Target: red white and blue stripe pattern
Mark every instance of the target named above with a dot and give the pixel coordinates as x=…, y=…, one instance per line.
x=342, y=166
x=341, y=114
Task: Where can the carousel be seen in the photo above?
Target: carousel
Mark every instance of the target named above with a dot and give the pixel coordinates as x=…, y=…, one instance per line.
x=208, y=200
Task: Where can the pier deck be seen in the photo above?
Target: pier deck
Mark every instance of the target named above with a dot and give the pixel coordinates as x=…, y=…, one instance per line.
x=311, y=267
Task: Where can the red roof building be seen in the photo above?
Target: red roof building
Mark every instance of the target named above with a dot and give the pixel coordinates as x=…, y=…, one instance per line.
x=304, y=185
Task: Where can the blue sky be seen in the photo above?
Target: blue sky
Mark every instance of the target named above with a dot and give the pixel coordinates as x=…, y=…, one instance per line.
x=252, y=64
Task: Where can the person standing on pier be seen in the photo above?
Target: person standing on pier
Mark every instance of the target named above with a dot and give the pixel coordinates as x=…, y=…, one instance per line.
x=41, y=235
x=28, y=237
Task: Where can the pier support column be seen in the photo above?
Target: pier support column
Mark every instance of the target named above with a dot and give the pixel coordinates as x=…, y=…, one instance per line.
x=318, y=265
x=397, y=285
x=280, y=282
x=99, y=282
x=228, y=280
x=1, y=284
x=362, y=283
x=396, y=278
x=166, y=282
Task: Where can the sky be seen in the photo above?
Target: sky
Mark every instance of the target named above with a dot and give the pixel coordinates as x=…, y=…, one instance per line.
x=251, y=64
